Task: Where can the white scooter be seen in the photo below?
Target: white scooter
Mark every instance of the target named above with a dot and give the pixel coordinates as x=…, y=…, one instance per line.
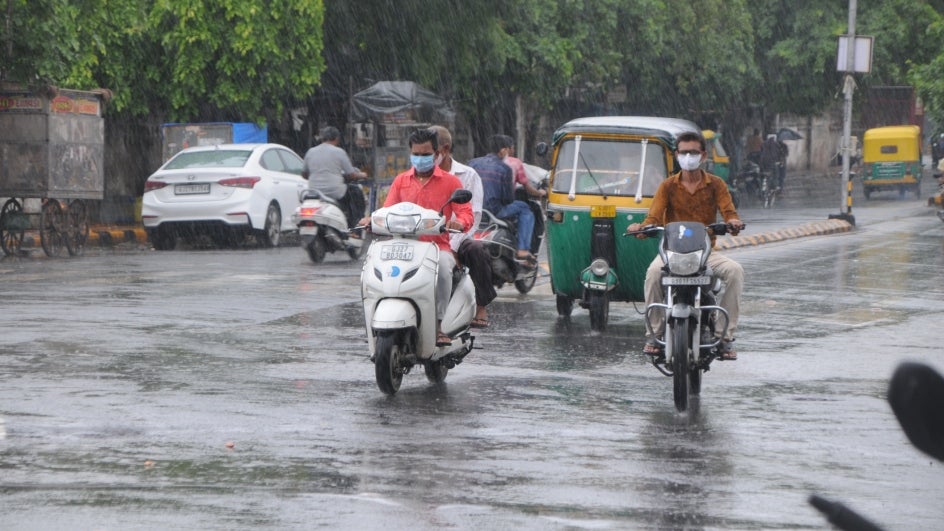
x=398, y=286
x=322, y=227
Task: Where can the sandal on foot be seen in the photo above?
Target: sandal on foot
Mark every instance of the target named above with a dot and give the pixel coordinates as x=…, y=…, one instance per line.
x=479, y=323
x=652, y=348
x=727, y=351
x=442, y=340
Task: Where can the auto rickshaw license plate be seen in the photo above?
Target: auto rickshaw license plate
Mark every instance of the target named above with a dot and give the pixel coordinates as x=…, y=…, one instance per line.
x=603, y=211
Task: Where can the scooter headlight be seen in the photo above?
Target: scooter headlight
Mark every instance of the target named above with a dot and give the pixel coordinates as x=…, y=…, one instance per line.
x=684, y=263
x=599, y=267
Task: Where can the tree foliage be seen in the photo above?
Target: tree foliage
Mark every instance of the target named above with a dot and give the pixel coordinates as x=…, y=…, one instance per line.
x=182, y=59
x=218, y=59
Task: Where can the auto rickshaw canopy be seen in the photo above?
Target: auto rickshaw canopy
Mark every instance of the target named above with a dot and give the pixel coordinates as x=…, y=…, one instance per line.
x=895, y=143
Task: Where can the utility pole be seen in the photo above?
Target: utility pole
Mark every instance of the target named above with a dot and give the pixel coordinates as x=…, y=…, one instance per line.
x=845, y=207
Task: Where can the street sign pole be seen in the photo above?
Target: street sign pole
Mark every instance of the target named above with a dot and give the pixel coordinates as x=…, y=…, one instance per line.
x=848, y=66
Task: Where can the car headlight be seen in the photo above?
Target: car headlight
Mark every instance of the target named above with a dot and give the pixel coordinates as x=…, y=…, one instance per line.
x=684, y=263
x=599, y=267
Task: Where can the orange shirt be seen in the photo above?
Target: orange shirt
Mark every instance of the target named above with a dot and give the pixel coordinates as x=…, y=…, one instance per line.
x=433, y=195
x=673, y=202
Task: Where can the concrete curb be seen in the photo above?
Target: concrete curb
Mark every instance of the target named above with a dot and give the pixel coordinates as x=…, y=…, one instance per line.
x=814, y=228
x=99, y=235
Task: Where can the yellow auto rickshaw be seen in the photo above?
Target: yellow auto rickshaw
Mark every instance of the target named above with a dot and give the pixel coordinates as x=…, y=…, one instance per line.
x=891, y=158
x=603, y=174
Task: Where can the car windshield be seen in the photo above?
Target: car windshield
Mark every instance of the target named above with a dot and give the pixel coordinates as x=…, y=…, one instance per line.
x=607, y=167
x=217, y=158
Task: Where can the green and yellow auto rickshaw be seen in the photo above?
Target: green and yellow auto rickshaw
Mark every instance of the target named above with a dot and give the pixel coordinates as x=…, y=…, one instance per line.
x=718, y=162
x=603, y=174
x=891, y=158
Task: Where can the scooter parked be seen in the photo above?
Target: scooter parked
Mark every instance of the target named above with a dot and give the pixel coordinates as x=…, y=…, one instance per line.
x=323, y=228
x=398, y=285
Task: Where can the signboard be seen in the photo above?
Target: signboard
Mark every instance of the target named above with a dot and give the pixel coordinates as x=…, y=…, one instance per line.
x=862, y=54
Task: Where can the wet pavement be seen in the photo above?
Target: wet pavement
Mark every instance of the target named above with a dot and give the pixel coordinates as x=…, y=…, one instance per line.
x=211, y=389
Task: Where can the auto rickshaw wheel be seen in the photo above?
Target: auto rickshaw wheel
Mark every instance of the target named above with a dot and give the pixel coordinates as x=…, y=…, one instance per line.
x=565, y=305
x=599, y=305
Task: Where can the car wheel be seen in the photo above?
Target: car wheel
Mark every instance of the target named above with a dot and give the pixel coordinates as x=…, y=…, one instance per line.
x=271, y=233
x=163, y=239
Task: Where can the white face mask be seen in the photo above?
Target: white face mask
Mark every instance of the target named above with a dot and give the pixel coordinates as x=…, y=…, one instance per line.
x=439, y=159
x=689, y=162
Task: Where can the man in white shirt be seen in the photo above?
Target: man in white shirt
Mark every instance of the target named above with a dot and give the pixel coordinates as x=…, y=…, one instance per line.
x=471, y=252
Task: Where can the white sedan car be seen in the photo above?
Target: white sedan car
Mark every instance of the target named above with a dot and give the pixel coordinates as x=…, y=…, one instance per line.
x=226, y=192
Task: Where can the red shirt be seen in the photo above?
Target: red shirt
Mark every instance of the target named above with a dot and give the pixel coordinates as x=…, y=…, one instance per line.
x=517, y=167
x=433, y=195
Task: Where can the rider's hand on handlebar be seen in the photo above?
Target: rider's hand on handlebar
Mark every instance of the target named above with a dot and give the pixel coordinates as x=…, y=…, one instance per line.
x=635, y=227
x=735, y=226
x=453, y=225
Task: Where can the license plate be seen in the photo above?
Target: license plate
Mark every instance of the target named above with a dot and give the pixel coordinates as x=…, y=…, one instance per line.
x=603, y=211
x=396, y=252
x=308, y=230
x=189, y=189
x=686, y=281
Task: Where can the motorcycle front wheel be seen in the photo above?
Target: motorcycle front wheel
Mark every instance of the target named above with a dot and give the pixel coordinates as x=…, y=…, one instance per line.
x=680, y=370
x=387, y=367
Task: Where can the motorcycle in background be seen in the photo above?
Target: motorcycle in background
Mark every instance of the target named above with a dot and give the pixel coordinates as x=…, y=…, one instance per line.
x=756, y=184
x=500, y=238
x=323, y=227
x=694, y=323
x=398, y=286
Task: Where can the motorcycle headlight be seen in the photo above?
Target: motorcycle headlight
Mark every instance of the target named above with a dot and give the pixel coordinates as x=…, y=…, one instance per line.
x=599, y=267
x=684, y=263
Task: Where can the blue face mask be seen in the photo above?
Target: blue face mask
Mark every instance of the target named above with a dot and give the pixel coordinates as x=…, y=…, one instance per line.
x=422, y=163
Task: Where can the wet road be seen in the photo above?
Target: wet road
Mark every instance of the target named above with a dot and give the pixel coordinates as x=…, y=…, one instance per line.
x=231, y=389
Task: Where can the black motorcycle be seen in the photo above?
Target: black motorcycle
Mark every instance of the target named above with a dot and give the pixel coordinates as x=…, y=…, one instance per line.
x=500, y=237
x=694, y=323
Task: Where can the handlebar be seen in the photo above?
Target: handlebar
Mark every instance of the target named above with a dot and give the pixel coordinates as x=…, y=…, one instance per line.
x=718, y=229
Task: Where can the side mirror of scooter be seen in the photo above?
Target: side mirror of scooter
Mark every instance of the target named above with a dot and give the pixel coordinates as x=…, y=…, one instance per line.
x=916, y=394
x=541, y=149
x=460, y=197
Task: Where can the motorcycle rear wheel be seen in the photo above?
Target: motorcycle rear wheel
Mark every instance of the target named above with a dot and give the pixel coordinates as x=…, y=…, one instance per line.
x=356, y=253
x=387, y=368
x=681, y=376
x=525, y=284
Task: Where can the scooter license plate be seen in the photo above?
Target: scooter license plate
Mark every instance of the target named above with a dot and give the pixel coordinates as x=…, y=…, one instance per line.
x=308, y=230
x=396, y=252
x=686, y=281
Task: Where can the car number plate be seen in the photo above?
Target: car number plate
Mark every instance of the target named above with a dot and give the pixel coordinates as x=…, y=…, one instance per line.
x=603, y=211
x=189, y=189
x=396, y=252
x=686, y=281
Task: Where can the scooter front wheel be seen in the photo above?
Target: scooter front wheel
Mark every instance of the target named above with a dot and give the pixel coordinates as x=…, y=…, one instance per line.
x=387, y=357
x=599, y=310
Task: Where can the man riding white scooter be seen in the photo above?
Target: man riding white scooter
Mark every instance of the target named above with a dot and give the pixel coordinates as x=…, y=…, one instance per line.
x=428, y=186
x=328, y=169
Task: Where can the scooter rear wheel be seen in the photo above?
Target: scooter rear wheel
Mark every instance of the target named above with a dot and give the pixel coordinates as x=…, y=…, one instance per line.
x=387, y=367
x=525, y=284
x=317, y=249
